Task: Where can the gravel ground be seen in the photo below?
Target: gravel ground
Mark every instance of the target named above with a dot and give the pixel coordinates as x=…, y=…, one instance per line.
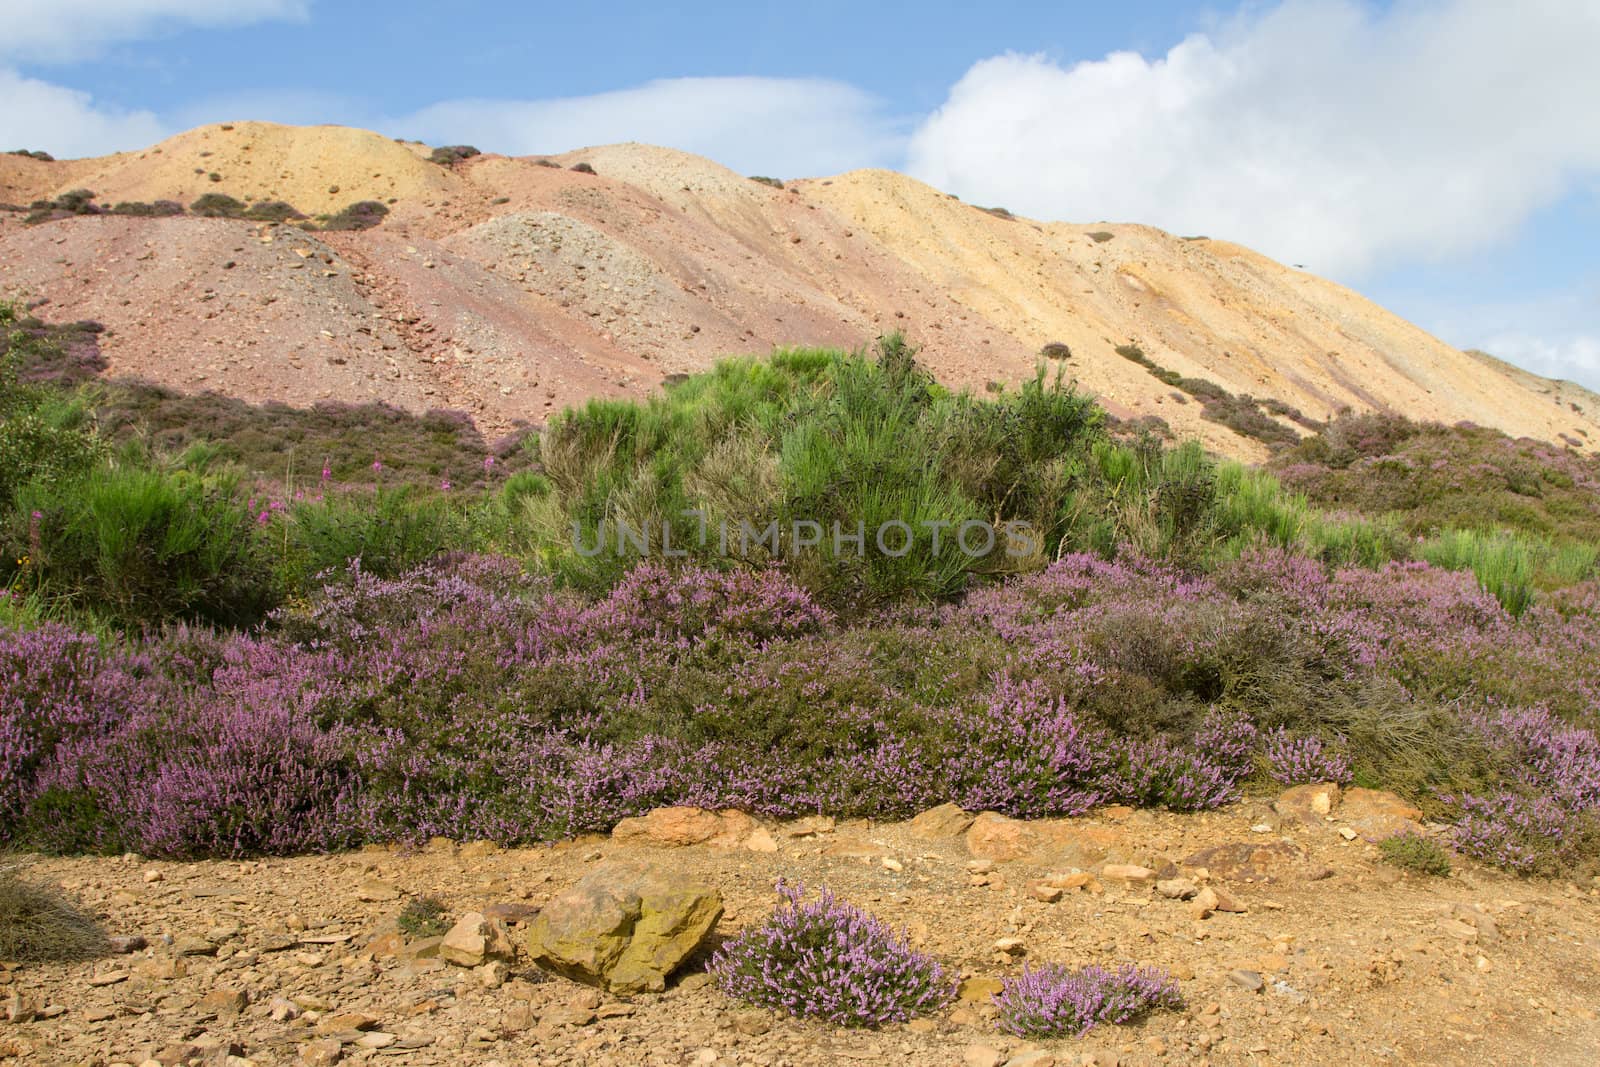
x=1356, y=961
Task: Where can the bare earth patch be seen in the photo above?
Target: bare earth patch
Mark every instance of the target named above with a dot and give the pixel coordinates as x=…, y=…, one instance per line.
x=1329, y=956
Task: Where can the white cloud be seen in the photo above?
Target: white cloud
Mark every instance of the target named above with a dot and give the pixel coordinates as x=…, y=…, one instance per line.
x=1573, y=356
x=780, y=126
x=1555, y=333
x=1321, y=132
x=52, y=31
x=68, y=123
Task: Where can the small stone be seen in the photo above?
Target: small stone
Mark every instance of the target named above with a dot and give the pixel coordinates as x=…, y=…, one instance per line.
x=193, y=946
x=376, y=1039
x=1012, y=946
x=761, y=840
x=374, y=891
x=752, y=1023
x=945, y=821
x=1037, y=1057
x=511, y=913
x=20, y=1009
x=1250, y=981
x=519, y=1017
x=1227, y=903
x=1177, y=888
x=346, y=1020
x=224, y=1000
x=811, y=825
x=1074, y=881
x=316, y=1053
x=569, y=1015
x=922, y=1026
x=281, y=1010
x=1127, y=872
x=982, y=1056
x=1347, y=833
x=424, y=948
x=153, y=876
x=892, y=864
x=475, y=940
x=109, y=978
x=979, y=990
x=162, y=969
x=123, y=944
x=1047, y=894
x=493, y=975
x=1261, y=828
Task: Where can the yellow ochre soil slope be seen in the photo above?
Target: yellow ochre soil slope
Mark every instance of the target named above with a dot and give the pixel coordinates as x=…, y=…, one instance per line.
x=508, y=287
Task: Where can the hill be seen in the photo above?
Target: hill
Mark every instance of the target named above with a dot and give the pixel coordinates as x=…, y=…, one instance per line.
x=511, y=287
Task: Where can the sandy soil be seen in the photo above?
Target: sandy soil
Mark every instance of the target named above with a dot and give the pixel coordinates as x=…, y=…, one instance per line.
x=1358, y=962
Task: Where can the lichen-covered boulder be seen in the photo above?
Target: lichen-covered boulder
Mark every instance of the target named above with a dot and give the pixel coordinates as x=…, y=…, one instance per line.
x=624, y=927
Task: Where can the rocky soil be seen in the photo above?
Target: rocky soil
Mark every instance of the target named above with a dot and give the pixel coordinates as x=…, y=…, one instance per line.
x=1292, y=941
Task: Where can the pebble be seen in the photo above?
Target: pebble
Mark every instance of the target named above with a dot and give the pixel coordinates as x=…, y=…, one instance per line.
x=1250, y=981
x=375, y=891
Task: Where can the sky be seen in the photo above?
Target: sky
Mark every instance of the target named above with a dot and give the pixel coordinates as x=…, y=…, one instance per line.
x=1439, y=156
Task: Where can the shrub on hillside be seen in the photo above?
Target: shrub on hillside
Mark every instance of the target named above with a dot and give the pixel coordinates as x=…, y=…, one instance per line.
x=218, y=206
x=140, y=545
x=388, y=530
x=362, y=215
x=68, y=204
x=450, y=154
x=827, y=960
x=155, y=209
x=1051, y=1001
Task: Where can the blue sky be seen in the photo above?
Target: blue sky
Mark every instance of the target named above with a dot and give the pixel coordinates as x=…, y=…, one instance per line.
x=1441, y=156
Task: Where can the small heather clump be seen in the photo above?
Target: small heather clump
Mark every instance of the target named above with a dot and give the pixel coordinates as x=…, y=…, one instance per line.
x=1052, y=1001
x=424, y=917
x=828, y=960
x=1301, y=760
x=1416, y=853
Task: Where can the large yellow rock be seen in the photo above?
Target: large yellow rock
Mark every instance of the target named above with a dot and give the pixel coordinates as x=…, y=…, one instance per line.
x=624, y=927
x=678, y=827
x=1308, y=804
x=1377, y=813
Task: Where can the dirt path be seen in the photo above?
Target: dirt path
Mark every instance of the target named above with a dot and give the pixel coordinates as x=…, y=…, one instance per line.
x=1358, y=963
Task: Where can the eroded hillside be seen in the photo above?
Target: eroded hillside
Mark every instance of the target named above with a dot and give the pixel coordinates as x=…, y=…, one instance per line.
x=511, y=287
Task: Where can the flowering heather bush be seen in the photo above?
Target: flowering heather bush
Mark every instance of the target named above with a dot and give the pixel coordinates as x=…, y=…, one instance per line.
x=1160, y=773
x=1528, y=835
x=828, y=960
x=1052, y=1001
x=467, y=699
x=1301, y=760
